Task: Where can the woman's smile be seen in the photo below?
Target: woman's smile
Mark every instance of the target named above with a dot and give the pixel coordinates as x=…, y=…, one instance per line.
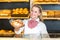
x=34, y=12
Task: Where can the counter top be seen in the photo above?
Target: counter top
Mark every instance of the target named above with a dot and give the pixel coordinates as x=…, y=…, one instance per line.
x=28, y=39
x=13, y=38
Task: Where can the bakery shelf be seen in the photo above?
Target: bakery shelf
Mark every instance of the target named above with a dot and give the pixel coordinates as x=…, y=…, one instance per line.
x=14, y=1
x=51, y=18
x=46, y=2
x=21, y=17
x=14, y=17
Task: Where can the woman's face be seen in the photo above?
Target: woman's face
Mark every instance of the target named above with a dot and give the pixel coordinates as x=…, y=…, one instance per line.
x=35, y=12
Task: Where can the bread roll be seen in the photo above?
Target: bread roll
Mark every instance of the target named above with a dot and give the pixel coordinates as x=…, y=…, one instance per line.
x=17, y=23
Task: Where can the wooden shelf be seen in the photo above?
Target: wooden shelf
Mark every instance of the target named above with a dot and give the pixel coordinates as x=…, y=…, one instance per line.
x=51, y=18
x=14, y=1
x=14, y=17
x=46, y=2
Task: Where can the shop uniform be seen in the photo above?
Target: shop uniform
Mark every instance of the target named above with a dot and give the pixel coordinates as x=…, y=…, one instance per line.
x=39, y=30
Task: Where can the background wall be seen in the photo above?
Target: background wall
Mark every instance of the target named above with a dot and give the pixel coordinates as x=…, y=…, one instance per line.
x=52, y=25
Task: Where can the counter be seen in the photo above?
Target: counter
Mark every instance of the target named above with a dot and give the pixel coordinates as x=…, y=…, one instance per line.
x=28, y=39
x=13, y=39
x=51, y=39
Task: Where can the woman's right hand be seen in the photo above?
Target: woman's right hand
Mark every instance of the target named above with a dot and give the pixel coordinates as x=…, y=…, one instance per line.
x=17, y=23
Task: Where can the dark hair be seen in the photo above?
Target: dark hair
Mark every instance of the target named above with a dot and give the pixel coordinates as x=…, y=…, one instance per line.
x=40, y=10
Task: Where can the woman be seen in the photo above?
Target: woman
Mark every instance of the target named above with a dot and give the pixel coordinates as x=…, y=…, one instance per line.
x=34, y=27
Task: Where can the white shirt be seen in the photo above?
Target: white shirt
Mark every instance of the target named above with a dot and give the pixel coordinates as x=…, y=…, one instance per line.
x=39, y=29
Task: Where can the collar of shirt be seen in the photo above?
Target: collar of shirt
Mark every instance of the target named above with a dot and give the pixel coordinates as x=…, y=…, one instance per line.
x=37, y=19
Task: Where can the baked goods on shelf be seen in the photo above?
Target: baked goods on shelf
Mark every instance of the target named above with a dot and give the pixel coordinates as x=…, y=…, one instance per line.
x=15, y=11
x=57, y=13
x=20, y=11
x=25, y=11
x=44, y=13
x=6, y=33
x=58, y=0
x=54, y=0
x=41, y=0
x=50, y=13
x=47, y=0
x=14, y=0
x=2, y=31
x=5, y=12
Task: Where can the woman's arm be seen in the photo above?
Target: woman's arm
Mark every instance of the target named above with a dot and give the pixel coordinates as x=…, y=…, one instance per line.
x=17, y=28
x=44, y=33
